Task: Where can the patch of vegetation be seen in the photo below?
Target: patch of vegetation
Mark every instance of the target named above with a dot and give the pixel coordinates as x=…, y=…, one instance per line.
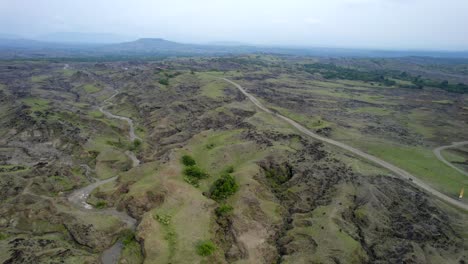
x=210, y=146
x=36, y=104
x=12, y=168
x=164, y=81
x=331, y=71
x=223, y=210
x=422, y=163
x=136, y=145
x=195, y=172
x=169, y=233
x=223, y=187
x=192, y=172
x=205, y=248
x=187, y=160
x=164, y=219
x=89, y=88
x=3, y=236
x=39, y=78
x=127, y=237
x=385, y=77
x=101, y=204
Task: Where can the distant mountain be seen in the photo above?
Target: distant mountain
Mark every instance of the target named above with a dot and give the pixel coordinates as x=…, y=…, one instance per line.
x=77, y=37
x=157, y=47
x=9, y=36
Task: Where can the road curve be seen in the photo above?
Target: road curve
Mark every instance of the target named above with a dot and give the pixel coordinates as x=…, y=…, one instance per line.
x=400, y=172
x=441, y=158
x=131, y=131
x=78, y=197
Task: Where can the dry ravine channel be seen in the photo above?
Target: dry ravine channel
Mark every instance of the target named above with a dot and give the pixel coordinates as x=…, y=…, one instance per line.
x=78, y=197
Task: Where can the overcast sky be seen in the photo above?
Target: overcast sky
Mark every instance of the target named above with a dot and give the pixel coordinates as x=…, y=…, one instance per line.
x=394, y=24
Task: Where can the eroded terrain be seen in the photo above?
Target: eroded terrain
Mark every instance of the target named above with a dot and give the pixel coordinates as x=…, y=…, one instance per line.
x=218, y=180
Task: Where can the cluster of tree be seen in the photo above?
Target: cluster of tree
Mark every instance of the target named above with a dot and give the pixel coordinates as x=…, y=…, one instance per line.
x=331, y=71
x=419, y=82
x=387, y=78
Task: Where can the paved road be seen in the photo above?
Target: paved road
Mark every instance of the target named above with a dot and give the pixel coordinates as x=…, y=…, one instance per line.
x=441, y=158
x=398, y=171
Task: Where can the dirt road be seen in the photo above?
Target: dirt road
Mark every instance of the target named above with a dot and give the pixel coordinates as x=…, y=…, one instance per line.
x=441, y=158
x=106, y=104
x=80, y=196
x=398, y=171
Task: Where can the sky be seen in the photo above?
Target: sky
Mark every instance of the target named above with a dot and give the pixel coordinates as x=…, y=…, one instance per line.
x=384, y=24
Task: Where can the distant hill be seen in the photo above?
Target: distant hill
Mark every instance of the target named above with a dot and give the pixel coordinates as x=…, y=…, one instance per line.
x=157, y=47
x=77, y=37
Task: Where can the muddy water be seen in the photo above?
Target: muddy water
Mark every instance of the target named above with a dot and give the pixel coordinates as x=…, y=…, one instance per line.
x=79, y=197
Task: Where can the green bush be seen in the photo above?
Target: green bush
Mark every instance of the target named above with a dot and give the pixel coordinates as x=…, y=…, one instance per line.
x=224, y=187
x=195, y=172
x=205, y=248
x=188, y=160
x=192, y=181
x=127, y=237
x=101, y=204
x=229, y=169
x=164, y=81
x=223, y=210
x=136, y=145
x=3, y=236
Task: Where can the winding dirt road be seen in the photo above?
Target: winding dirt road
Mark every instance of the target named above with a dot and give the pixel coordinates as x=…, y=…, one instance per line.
x=441, y=158
x=106, y=104
x=398, y=171
x=78, y=197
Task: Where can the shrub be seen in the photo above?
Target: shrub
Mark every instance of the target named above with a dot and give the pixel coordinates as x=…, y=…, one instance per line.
x=188, y=160
x=164, y=219
x=192, y=181
x=127, y=237
x=164, y=81
x=101, y=204
x=223, y=210
x=229, y=169
x=3, y=236
x=195, y=172
x=136, y=145
x=224, y=187
x=205, y=248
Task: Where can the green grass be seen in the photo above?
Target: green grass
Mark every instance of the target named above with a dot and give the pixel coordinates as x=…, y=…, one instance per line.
x=213, y=89
x=422, y=163
x=67, y=72
x=444, y=102
x=315, y=122
x=110, y=162
x=327, y=232
x=380, y=111
x=39, y=78
x=36, y=104
x=453, y=156
x=89, y=88
x=205, y=248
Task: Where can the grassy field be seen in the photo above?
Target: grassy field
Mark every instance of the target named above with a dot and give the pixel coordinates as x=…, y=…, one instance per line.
x=422, y=163
x=90, y=88
x=37, y=104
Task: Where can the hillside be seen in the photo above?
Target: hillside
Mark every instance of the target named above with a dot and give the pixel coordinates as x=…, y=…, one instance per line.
x=166, y=162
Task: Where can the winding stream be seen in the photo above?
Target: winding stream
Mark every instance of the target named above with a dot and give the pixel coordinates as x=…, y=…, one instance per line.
x=78, y=197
